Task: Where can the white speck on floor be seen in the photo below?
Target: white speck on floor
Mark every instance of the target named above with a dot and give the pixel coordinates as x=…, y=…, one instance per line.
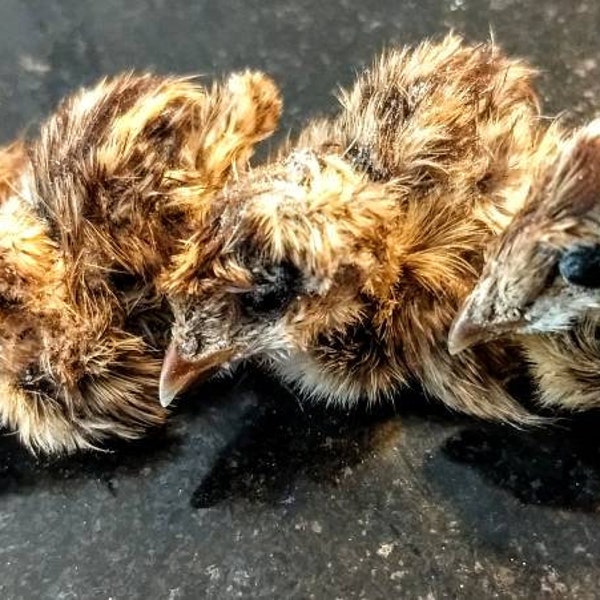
x=33, y=65
x=385, y=550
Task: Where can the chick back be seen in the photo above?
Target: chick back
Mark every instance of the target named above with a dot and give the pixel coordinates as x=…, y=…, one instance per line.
x=453, y=134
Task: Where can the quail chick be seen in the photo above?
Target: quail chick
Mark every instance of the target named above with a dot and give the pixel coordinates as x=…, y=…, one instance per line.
x=540, y=285
x=91, y=211
x=342, y=264
x=544, y=272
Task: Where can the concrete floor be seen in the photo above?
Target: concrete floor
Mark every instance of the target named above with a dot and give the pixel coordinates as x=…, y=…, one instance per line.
x=248, y=493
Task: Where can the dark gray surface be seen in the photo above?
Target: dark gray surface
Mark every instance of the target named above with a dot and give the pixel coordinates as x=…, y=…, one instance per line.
x=249, y=494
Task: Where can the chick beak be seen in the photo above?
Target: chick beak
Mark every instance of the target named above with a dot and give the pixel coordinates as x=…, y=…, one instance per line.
x=465, y=333
x=179, y=373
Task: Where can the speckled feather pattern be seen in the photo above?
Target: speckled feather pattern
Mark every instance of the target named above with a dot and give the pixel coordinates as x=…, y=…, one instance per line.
x=91, y=210
x=384, y=212
x=521, y=294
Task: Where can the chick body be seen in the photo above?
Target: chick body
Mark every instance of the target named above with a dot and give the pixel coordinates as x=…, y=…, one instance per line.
x=342, y=264
x=539, y=286
x=90, y=213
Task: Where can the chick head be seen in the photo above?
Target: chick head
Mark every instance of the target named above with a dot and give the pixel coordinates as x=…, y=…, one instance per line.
x=285, y=256
x=544, y=272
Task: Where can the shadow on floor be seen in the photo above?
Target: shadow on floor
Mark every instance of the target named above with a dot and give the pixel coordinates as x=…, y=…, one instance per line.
x=20, y=472
x=282, y=439
x=276, y=439
x=558, y=466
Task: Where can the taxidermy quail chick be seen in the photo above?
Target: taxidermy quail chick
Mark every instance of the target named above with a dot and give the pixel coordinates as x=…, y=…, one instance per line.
x=91, y=209
x=540, y=285
x=342, y=264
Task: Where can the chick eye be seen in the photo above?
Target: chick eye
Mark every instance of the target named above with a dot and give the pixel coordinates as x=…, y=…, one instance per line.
x=580, y=265
x=274, y=288
x=8, y=303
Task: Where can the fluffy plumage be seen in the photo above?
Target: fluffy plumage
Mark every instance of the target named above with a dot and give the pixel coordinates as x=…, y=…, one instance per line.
x=342, y=263
x=541, y=275
x=91, y=210
x=12, y=160
x=540, y=285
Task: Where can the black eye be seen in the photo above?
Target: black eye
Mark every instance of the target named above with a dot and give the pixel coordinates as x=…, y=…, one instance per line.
x=123, y=281
x=274, y=288
x=8, y=303
x=580, y=265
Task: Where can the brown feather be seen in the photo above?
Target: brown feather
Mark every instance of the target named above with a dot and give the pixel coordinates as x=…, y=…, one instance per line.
x=522, y=294
x=118, y=175
x=342, y=263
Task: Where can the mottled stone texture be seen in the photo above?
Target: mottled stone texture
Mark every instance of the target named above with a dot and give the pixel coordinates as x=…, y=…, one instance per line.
x=249, y=493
